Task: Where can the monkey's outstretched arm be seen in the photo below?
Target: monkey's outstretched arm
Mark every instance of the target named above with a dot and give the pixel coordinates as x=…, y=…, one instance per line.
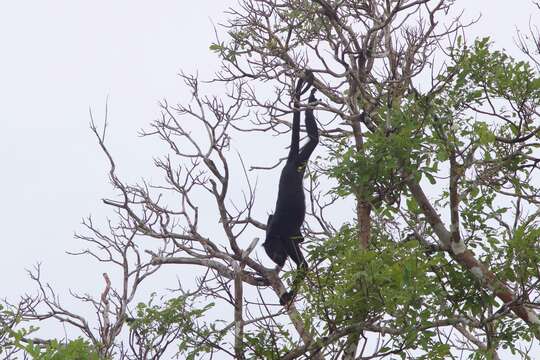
x=312, y=130
x=295, y=133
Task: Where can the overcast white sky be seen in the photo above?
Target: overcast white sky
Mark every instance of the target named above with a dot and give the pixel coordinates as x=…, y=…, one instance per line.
x=57, y=58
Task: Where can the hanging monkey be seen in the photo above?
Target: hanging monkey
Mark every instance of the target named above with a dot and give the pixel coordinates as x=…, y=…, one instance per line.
x=283, y=234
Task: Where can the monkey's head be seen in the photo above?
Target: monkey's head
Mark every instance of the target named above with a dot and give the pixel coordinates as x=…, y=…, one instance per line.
x=273, y=244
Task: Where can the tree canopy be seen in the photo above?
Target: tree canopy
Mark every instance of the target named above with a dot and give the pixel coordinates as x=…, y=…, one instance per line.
x=431, y=157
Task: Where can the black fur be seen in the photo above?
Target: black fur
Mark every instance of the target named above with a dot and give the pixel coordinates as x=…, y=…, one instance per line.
x=283, y=228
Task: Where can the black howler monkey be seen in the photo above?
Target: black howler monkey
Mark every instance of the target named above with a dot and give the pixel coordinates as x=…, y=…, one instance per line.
x=283, y=228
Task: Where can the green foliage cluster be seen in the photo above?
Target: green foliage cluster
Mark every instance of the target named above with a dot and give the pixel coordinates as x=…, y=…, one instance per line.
x=482, y=100
x=391, y=281
x=78, y=349
x=482, y=74
x=176, y=320
x=404, y=285
x=270, y=343
x=21, y=338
